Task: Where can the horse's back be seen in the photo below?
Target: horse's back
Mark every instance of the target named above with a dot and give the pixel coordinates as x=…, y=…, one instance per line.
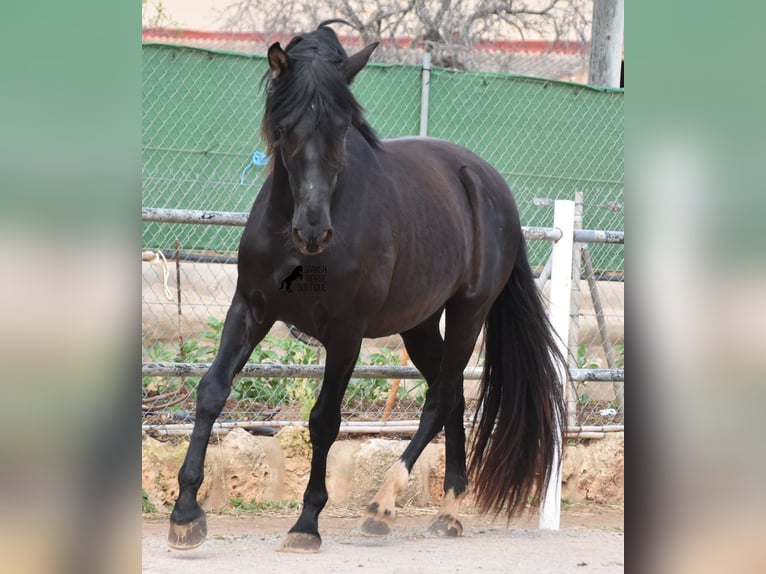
x=427, y=159
x=451, y=180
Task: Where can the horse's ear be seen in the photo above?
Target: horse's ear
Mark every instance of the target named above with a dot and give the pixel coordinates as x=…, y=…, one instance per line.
x=358, y=61
x=278, y=61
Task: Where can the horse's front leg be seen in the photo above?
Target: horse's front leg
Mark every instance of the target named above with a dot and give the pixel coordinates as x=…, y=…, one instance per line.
x=241, y=333
x=324, y=423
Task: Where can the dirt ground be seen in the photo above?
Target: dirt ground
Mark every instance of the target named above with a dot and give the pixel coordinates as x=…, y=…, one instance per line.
x=591, y=540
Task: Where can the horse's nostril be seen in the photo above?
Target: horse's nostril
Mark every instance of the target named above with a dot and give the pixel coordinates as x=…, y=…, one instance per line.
x=312, y=243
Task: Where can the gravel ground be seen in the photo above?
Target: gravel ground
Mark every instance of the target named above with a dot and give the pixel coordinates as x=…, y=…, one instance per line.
x=591, y=540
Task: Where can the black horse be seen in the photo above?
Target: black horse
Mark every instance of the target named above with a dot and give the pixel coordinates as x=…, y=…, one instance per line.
x=404, y=229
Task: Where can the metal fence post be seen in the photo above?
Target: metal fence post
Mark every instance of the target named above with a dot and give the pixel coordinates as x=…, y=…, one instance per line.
x=425, y=92
x=561, y=284
x=573, y=340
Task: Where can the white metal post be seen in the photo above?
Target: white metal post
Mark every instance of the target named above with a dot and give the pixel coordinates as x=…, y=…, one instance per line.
x=424, y=94
x=561, y=284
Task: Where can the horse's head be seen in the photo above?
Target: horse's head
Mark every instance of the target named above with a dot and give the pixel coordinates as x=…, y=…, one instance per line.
x=309, y=110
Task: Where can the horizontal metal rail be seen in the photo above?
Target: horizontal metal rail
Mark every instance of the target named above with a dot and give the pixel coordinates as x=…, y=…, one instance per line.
x=598, y=236
x=352, y=427
x=267, y=371
x=194, y=257
x=163, y=215
x=542, y=233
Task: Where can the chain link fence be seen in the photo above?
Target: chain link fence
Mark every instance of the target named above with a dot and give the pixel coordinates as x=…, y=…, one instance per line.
x=202, y=150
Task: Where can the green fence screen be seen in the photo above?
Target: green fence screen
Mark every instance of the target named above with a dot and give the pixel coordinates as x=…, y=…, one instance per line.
x=201, y=125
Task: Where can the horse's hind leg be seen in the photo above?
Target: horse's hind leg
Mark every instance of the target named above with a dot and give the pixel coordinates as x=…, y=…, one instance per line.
x=443, y=408
x=241, y=333
x=446, y=522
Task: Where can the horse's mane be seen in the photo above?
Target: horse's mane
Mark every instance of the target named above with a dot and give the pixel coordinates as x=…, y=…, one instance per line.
x=313, y=77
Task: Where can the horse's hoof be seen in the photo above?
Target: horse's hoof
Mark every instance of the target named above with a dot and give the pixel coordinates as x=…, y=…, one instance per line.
x=446, y=527
x=301, y=543
x=374, y=527
x=189, y=535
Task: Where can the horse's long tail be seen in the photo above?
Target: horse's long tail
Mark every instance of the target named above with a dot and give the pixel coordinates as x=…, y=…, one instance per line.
x=521, y=406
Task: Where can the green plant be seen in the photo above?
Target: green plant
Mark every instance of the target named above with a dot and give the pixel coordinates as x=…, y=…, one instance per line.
x=267, y=506
x=302, y=392
x=270, y=391
x=371, y=390
x=298, y=390
x=162, y=353
x=418, y=391
x=190, y=351
x=159, y=353
x=274, y=391
x=584, y=361
x=620, y=359
x=293, y=351
x=216, y=327
x=146, y=505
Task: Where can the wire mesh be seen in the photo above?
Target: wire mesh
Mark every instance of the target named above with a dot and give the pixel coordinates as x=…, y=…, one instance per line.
x=201, y=124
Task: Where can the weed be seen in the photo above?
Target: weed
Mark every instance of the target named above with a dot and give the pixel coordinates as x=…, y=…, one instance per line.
x=584, y=361
x=274, y=391
x=418, y=391
x=371, y=390
x=269, y=391
x=146, y=505
x=267, y=506
x=620, y=359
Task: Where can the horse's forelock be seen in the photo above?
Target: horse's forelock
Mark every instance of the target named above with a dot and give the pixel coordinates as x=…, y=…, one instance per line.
x=314, y=74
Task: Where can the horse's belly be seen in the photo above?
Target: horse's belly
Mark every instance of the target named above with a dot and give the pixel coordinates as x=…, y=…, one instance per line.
x=406, y=310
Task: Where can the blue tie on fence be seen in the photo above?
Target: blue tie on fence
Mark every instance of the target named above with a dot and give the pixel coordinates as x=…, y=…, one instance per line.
x=258, y=159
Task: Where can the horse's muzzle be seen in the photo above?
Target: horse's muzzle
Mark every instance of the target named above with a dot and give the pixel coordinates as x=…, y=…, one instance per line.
x=311, y=243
